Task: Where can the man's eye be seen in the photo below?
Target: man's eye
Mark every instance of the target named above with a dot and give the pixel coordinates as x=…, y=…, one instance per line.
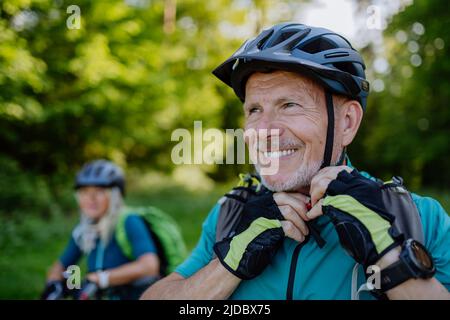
x=290, y=105
x=253, y=110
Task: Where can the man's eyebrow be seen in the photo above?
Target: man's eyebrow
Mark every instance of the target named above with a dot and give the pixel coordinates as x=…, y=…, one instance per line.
x=277, y=102
x=282, y=101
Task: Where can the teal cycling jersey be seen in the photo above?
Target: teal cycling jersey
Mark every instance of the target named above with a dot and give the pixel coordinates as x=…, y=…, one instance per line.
x=111, y=255
x=306, y=271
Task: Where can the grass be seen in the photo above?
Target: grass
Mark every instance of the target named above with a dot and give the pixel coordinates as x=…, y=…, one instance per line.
x=25, y=258
x=24, y=261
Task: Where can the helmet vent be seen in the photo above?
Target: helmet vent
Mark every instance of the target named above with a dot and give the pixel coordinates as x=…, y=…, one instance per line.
x=283, y=36
x=346, y=67
x=88, y=171
x=111, y=173
x=318, y=45
x=336, y=55
x=263, y=41
x=98, y=171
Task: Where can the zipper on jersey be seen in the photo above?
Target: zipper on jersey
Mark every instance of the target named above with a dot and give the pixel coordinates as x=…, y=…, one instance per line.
x=293, y=268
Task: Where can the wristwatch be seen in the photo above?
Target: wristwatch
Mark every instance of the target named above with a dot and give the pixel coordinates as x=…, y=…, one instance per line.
x=414, y=262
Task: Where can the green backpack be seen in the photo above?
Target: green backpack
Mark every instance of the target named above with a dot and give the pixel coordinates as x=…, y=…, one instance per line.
x=166, y=234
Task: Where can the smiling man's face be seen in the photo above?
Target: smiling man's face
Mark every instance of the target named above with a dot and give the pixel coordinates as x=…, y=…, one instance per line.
x=294, y=105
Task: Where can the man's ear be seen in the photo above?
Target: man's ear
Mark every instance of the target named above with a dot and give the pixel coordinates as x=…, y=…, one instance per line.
x=351, y=116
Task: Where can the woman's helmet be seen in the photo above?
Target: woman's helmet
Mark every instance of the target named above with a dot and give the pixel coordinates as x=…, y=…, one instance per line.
x=100, y=173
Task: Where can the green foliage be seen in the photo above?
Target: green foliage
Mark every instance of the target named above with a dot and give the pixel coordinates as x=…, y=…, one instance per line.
x=407, y=127
x=116, y=88
x=27, y=201
x=21, y=191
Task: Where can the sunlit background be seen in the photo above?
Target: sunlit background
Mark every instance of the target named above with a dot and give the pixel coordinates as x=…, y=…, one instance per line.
x=135, y=70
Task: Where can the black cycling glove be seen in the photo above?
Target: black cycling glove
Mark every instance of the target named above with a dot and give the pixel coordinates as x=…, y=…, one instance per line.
x=255, y=240
x=363, y=223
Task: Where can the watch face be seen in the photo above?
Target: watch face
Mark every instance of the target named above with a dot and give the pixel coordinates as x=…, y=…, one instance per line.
x=421, y=255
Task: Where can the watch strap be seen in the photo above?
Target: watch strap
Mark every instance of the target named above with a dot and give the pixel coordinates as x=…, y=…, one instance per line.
x=394, y=275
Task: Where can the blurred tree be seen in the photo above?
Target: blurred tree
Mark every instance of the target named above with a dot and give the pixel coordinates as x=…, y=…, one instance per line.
x=407, y=126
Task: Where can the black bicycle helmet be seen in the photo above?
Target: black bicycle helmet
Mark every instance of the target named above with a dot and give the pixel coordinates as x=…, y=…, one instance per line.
x=100, y=173
x=318, y=53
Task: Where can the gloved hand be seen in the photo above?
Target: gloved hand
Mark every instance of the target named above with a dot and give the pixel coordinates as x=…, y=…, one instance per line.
x=53, y=290
x=254, y=242
x=363, y=223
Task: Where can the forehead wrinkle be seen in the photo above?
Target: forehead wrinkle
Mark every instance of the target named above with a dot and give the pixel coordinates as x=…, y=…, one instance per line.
x=264, y=82
x=259, y=82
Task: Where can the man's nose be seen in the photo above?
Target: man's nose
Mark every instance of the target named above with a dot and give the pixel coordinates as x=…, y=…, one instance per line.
x=268, y=125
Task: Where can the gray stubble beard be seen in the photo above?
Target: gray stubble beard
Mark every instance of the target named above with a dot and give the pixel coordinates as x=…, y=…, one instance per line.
x=301, y=178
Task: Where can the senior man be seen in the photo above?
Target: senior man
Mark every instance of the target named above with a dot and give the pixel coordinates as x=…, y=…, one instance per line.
x=317, y=228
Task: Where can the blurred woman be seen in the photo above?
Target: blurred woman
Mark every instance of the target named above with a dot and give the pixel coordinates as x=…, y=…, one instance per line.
x=100, y=188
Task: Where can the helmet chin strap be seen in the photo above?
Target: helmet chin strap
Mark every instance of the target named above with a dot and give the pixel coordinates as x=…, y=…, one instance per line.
x=330, y=130
x=315, y=232
x=330, y=134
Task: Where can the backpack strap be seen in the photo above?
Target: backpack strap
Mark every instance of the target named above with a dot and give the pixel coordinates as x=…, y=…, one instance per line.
x=407, y=216
x=232, y=204
x=122, y=238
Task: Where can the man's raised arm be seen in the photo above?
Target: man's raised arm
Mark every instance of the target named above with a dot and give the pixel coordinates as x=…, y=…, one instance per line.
x=210, y=282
